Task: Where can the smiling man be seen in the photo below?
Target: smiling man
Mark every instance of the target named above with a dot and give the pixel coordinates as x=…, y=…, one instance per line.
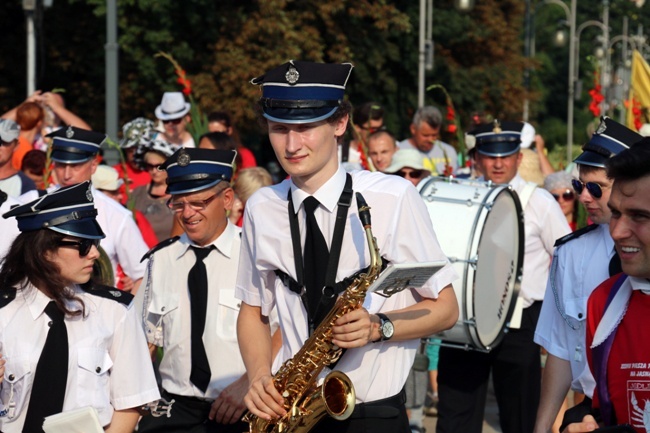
x=291, y=230
x=618, y=315
x=189, y=299
x=581, y=261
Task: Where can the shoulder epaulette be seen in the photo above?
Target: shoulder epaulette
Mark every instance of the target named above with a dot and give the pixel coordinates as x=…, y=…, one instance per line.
x=575, y=235
x=6, y=296
x=160, y=246
x=109, y=292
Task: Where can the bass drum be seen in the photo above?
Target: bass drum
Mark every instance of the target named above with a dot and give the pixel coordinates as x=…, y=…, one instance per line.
x=480, y=227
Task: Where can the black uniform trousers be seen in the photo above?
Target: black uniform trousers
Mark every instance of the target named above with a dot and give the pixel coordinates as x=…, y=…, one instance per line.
x=188, y=415
x=516, y=372
x=382, y=416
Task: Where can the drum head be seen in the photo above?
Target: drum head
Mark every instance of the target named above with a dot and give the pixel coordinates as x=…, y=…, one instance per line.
x=500, y=258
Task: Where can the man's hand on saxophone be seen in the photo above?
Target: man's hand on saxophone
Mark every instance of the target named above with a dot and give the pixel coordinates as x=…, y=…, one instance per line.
x=355, y=329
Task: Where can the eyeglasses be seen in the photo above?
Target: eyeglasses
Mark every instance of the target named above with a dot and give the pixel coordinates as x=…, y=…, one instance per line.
x=567, y=195
x=413, y=174
x=173, y=121
x=198, y=205
x=149, y=167
x=594, y=189
x=83, y=245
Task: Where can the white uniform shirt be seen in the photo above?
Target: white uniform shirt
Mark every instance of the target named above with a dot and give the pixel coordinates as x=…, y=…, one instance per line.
x=109, y=363
x=123, y=242
x=164, y=298
x=434, y=160
x=404, y=234
x=8, y=227
x=544, y=222
x=580, y=265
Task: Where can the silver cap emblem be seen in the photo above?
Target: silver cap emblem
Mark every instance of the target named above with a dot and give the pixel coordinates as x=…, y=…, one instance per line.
x=69, y=132
x=601, y=128
x=184, y=159
x=292, y=75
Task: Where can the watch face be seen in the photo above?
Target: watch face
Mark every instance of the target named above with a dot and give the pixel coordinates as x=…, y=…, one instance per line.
x=387, y=330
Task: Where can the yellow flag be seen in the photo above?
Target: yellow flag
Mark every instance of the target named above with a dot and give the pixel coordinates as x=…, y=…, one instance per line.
x=639, y=97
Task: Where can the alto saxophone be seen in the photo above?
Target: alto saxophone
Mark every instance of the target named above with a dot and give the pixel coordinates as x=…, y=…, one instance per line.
x=305, y=401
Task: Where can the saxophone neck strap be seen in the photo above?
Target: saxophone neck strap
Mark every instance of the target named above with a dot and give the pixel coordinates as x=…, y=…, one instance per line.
x=345, y=200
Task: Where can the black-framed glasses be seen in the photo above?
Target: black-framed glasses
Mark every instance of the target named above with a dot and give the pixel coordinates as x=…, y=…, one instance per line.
x=173, y=121
x=195, y=205
x=413, y=174
x=567, y=195
x=592, y=187
x=83, y=245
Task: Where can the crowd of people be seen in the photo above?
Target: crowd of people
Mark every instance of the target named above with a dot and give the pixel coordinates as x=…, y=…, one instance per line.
x=166, y=291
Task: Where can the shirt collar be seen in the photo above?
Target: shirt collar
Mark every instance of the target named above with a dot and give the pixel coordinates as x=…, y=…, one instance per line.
x=640, y=284
x=37, y=301
x=223, y=243
x=328, y=194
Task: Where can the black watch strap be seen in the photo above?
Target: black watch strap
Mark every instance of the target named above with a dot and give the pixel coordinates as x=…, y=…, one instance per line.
x=382, y=320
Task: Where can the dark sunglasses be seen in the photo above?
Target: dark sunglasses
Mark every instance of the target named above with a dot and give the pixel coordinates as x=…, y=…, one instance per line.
x=414, y=174
x=593, y=188
x=149, y=167
x=174, y=121
x=83, y=245
x=567, y=195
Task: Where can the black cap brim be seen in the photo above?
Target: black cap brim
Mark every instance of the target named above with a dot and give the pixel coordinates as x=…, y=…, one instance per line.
x=591, y=158
x=65, y=157
x=298, y=115
x=88, y=228
x=498, y=149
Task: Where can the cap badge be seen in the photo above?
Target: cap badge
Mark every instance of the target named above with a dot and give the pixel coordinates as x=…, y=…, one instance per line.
x=89, y=195
x=184, y=159
x=601, y=128
x=69, y=132
x=292, y=75
x=497, y=127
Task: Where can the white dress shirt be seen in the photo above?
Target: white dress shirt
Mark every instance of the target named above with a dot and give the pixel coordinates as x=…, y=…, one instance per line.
x=109, y=364
x=579, y=266
x=123, y=242
x=8, y=227
x=404, y=233
x=544, y=222
x=164, y=300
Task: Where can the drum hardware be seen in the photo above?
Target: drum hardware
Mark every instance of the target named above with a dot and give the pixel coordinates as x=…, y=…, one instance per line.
x=479, y=226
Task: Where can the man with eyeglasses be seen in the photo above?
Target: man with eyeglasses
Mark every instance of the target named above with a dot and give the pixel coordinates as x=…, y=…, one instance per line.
x=581, y=261
x=173, y=112
x=618, y=310
x=75, y=156
x=515, y=363
x=439, y=157
x=13, y=182
x=188, y=299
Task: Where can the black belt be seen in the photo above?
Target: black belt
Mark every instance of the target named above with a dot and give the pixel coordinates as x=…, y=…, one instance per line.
x=389, y=407
x=189, y=401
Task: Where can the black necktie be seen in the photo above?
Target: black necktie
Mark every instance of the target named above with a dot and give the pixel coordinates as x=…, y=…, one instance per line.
x=615, y=264
x=51, y=374
x=197, y=282
x=315, y=256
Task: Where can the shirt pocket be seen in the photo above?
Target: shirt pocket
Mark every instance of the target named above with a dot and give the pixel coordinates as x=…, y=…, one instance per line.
x=93, y=377
x=227, y=315
x=577, y=308
x=158, y=314
x=17, y=374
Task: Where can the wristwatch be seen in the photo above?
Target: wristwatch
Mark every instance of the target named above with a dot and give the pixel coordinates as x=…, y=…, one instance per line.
x=386, y=328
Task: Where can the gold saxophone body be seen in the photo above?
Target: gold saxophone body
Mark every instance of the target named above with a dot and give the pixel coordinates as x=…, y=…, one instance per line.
x=307, y=403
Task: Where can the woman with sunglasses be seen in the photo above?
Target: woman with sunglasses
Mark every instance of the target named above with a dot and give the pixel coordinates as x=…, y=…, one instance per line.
x=151, y=199
x=559, y=185
x=67, y=342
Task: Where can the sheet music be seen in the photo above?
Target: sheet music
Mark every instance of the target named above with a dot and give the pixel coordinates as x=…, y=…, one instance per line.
x=397, y=277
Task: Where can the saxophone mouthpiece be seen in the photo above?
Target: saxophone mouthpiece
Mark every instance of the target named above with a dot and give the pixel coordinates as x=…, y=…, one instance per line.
x=364, y=210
